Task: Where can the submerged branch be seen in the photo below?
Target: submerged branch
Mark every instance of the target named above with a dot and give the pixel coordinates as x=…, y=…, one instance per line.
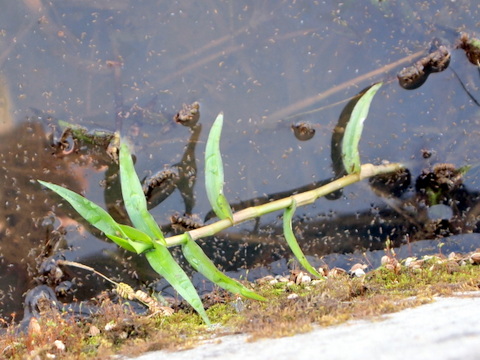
x=305, y=198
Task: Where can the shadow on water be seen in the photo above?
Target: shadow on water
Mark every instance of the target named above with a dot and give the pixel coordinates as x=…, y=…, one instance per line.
x=268, y=66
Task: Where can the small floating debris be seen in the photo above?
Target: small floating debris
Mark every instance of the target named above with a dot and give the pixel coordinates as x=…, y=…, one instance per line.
x=188, y=115
x=303, y=131
x=471, y=46
x=414, y=76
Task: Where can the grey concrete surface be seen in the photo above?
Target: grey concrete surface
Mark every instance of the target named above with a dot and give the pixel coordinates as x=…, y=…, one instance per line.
x=448, y=328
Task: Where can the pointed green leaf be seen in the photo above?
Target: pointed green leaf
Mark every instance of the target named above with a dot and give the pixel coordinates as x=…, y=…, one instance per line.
x=163, y=263
x=90, y=211
x=292, y=241
x=137, y=240
x=130, y=245
x=214, y=177
x=134, y=198
x=159, y=258
x=136, y=235
x=123, y=235
x=353, y=131
x=200, y=262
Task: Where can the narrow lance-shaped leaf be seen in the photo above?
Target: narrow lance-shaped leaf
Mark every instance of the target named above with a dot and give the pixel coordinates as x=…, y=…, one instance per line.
x=134, y=198
x=163, y=263
x=141, y=241
x=160, y=258
x=94, y=214
x=292, y=241
x=353, y=131
x=214, y=177
x=130, y=245
x=200, y=262
x=137, y=235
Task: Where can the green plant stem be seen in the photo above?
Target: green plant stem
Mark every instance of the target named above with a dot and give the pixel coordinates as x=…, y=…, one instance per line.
x=305, y=198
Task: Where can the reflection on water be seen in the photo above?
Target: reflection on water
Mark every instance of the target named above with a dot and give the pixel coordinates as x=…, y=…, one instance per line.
x=26, y=222
x=6, y=119
x=263, y=63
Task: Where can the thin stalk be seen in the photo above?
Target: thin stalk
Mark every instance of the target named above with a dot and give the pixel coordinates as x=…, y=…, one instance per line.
x=85, y=267
x=305, y=198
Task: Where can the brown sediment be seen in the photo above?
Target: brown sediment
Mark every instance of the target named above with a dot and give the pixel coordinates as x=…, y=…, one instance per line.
x=414, y=76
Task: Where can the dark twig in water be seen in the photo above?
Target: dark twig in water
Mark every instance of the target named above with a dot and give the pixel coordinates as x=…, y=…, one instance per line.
x=465, y=88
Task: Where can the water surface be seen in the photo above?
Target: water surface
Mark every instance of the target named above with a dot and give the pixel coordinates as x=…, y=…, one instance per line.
x=267, y=65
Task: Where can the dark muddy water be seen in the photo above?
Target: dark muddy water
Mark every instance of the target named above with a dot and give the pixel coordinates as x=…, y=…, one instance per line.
x=267, y=65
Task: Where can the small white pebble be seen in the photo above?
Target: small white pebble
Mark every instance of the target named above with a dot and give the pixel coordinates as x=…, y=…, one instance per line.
x=409, y=261
x=358, y=272
x=59, y=345
x=110, y=326
x=385, y=260
x=305, y=279
x=475, y=258
x=302, y=278
x=292, y=296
